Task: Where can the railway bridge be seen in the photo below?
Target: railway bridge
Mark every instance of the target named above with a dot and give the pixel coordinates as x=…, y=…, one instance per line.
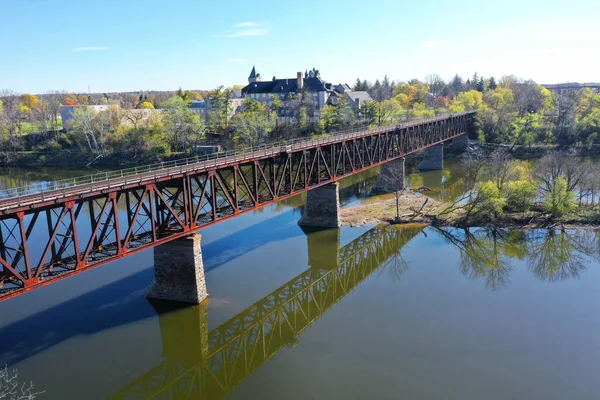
x=50, y=231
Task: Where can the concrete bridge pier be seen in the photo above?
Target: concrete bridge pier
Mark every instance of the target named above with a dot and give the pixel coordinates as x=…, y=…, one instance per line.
x=322, y=209
x=179, y=271
x=433, y=158
x=391, y=177
x=460, y=143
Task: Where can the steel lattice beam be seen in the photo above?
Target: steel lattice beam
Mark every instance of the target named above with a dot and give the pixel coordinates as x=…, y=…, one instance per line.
x=87, y=229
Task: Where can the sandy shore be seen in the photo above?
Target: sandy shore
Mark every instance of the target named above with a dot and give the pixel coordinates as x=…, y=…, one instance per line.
x=385, y=210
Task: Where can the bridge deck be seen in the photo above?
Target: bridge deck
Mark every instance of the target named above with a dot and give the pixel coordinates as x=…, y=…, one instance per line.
x=49, y=232
x=64, y=190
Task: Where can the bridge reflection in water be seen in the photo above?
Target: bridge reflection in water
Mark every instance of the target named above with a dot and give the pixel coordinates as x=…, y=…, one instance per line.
x=210, y=365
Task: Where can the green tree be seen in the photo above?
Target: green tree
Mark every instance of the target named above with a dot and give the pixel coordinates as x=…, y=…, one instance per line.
x=184, y=127
x=560, y=201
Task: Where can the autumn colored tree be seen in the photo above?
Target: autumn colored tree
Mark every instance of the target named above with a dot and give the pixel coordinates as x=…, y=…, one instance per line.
x=147, y=105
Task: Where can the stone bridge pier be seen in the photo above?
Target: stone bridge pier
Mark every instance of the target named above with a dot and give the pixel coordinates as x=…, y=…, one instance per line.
x=391, y=177
x=460, y=143
x=179, y=271
x=322, y=209
x=433, y=158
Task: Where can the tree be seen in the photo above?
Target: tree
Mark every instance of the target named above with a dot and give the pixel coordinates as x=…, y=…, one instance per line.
x=436, y=84
x=184, y=127
x=10, y=120
x=29, y=100
x=492, y=84
x=82, y=126
x=480, y=85
x=252, y=127
x=559, y=201
x=466, y=101
x=368, y=112
x=391, y=180
x=147, y=105
x=12, y=389
x=336, y=116
x=457, y=84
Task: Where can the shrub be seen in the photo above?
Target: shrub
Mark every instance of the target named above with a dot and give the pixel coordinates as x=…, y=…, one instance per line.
x=560, y=201
x=520, y=195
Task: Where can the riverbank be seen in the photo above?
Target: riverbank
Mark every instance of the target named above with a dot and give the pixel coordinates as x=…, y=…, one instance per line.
x=418, y=208
x=77, y=159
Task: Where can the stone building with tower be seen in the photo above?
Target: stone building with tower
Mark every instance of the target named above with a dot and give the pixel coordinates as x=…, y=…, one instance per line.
x=322, y=92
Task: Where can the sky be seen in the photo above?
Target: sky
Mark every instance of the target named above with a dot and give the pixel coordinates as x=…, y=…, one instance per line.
x=130, y=45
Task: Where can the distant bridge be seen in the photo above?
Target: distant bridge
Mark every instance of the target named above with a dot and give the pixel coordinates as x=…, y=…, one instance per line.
x=572, y=85
x=203, y=365
x=53, y=230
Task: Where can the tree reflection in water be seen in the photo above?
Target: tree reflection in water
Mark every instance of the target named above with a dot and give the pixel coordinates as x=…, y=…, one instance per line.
x=561, y=255
x=552, y=255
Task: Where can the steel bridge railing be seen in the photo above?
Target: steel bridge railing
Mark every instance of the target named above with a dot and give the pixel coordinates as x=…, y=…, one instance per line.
x=42, y=191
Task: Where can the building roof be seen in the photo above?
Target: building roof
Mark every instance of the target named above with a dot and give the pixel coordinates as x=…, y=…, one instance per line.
x=253, y=72
x=197, y=105
x=289, y=85
x=361, y=96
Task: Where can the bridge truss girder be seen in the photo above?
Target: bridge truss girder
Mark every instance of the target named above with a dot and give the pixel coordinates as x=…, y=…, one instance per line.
x=89, y=230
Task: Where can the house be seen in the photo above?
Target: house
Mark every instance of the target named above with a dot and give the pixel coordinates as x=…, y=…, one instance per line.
x=204, y=105
x=321, y=91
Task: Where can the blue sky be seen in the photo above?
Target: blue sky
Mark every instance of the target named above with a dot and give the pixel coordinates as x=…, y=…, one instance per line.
x=130, y=45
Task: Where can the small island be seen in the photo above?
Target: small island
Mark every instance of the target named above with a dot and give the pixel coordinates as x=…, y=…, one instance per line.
x=558, y=190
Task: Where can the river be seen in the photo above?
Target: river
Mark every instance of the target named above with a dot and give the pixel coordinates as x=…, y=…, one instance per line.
x=361, y=313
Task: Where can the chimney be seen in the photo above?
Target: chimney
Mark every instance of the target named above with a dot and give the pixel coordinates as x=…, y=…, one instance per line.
x=300, y=81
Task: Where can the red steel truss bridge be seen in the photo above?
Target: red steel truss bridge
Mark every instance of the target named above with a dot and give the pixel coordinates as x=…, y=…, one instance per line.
x=210, y=365
x=53, y=230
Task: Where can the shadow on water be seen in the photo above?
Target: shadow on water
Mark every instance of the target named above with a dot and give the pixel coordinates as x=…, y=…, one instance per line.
x=552, y=255
x=210, y=365
x=270, y=230
x=92, y=312
x=83, y=315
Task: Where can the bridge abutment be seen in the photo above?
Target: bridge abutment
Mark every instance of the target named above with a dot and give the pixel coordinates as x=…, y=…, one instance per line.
x=460, y=143
x=179, y=271
x=391, y=177
x=433, y=158
x=322, y=209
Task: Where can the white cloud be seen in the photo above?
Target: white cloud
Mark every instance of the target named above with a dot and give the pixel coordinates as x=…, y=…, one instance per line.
x=248, y=24
x=98, y=48
x=244, y=29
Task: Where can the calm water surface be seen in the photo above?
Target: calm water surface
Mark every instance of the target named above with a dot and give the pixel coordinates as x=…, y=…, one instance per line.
x=356, y=313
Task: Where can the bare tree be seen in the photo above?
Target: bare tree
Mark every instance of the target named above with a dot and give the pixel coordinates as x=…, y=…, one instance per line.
x=558, y=164
x=391, y=180
x=499, y=167
x=10, y=119
x=12, y=389
x=436, y=84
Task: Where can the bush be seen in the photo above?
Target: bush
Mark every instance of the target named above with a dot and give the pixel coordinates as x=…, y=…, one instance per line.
x=161, y=150
x=520, y=195
x=489, y=202
x=559, y=201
